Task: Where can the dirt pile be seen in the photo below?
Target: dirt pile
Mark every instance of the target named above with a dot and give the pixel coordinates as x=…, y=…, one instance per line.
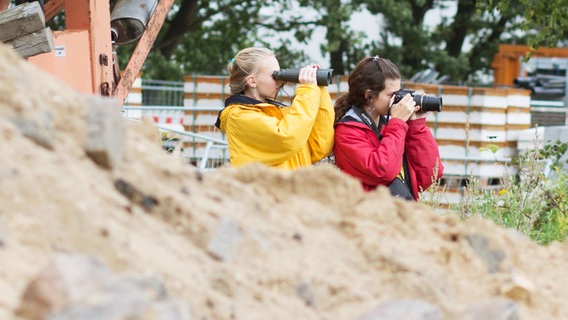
x=247, y=243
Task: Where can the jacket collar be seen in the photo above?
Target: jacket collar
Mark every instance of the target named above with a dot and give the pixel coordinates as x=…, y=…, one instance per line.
x=242, y=99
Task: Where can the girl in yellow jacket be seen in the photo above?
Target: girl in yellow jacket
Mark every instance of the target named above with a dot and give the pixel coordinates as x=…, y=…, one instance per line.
x=259, y=129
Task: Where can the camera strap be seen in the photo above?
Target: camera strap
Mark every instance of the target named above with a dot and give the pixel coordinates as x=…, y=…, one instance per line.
x=400, y=186
x=369, y=121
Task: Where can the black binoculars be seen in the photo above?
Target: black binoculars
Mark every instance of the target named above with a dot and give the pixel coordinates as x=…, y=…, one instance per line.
x=324, y=77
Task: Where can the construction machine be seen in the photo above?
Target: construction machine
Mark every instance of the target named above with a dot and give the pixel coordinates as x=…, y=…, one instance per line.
x=84, y=53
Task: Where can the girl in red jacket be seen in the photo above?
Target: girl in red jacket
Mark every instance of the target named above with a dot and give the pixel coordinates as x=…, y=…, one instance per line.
x=381, y=142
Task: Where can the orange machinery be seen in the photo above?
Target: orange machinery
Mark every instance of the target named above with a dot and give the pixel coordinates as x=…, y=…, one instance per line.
x=507, y=61
x=84, y=55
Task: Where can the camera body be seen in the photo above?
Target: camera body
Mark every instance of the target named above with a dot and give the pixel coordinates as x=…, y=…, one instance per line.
x=324, y=77
x=426, y=103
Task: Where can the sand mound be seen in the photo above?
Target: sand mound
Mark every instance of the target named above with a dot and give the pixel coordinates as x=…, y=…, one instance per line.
x=247, y=243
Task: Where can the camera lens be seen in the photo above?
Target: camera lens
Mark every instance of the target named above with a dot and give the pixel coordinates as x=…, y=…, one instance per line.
x=428, y=103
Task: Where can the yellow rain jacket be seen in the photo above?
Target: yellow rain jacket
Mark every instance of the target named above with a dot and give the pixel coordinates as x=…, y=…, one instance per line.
x=280, y=136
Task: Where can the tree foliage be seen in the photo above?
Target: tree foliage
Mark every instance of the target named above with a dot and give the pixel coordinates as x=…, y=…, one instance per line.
x=201, y=36
x=546, y=22
x=457, y=48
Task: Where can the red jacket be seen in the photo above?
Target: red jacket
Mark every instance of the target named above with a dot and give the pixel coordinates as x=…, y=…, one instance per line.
x=359, y=152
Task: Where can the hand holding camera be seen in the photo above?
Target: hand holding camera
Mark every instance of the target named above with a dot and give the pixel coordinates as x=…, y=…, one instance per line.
x=426, y=102
x=403, y=108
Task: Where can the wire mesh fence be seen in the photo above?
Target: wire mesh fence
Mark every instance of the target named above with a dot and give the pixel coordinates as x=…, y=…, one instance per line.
x=162, y=93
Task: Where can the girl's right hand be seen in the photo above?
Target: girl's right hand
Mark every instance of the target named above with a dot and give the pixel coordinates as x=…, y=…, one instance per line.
x=308, y=74
x=404, y=108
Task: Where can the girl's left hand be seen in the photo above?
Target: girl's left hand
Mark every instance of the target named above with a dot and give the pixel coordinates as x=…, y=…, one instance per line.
x=419, y=115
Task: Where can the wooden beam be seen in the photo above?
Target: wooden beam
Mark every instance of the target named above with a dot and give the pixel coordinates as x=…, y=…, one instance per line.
x=33, y=43
x=21, y=20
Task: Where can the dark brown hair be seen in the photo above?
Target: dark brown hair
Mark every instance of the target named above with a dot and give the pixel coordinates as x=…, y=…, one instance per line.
x=369, y=74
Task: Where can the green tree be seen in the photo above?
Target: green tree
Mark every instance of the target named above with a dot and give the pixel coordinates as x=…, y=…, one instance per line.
x=546, y=22
x=201, y=36
x=300, y=19
x=342, y=44
x=415, y=47
x=404, y=24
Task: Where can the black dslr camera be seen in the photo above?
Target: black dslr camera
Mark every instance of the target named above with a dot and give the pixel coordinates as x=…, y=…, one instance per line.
x=426, y=103
x=324, y=77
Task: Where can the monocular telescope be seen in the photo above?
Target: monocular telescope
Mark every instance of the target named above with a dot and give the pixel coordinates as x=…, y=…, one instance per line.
x=324, y=77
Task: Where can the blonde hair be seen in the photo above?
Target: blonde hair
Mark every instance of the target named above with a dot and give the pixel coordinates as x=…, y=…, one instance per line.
x=245, y=63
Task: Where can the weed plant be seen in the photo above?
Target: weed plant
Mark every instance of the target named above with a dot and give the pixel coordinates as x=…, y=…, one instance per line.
x=533, y=198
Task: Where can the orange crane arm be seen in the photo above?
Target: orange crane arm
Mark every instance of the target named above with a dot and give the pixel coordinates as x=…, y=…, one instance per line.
x=142, y=49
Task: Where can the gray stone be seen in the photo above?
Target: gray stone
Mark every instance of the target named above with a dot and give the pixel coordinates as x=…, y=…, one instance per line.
x=127, y=299
x=406, y=309
x=67, y=279
x=105, y=131
x=305, y=292
x=82, y=287
x=40, y=129
x=493, y=309
x=2, y=236
x=491, y=257
x=226, y=240
x=117, y=300
x=170, y=310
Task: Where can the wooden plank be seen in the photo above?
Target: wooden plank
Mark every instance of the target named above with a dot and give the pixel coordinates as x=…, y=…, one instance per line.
x=33, y=43
x=21, y=20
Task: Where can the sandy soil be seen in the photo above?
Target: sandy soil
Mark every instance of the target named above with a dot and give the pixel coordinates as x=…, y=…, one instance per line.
x=313, y=228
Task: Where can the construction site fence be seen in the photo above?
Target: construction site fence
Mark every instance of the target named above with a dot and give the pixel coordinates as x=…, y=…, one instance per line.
x=477, y=128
